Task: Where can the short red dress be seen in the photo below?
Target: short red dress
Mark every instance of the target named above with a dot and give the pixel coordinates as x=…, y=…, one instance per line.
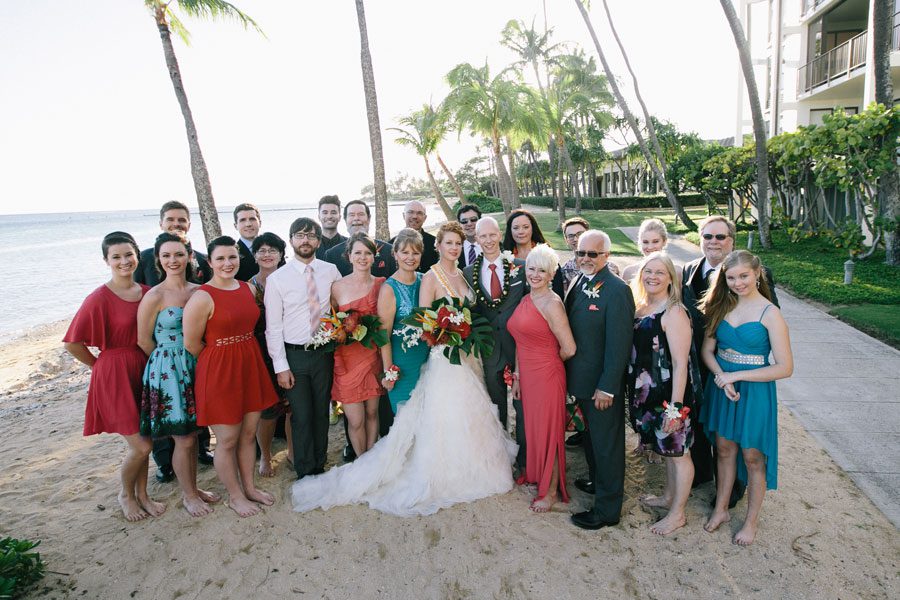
x=231, y=377
x=109, y=323
x=357, y=368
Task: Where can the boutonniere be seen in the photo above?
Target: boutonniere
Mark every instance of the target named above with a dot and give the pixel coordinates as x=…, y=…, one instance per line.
x=510, y=261
x=592, y=291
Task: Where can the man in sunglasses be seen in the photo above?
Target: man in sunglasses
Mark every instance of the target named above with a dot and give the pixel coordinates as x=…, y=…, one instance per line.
x=468, y=215
x=716, y=242
x=601, y=313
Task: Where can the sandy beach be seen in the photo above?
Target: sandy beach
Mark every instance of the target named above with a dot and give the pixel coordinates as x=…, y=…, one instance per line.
x=820, y=537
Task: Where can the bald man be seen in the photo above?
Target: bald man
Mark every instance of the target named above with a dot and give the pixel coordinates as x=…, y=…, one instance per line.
x=414, y=214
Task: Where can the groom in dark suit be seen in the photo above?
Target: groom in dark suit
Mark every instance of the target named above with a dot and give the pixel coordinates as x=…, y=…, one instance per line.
x=601, y=313
x=499, y=286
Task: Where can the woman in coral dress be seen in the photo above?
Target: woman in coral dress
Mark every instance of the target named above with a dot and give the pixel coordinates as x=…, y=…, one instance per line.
x=107, y=320
x=357, y=369
x=232, y=384
x=543, y=341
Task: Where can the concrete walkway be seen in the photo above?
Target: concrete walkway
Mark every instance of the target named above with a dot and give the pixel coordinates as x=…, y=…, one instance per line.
x=845, y=390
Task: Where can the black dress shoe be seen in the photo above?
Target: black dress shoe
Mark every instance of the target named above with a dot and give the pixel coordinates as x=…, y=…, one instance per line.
x=588, y=520
x=585, y=485
x=205, y=457
x=574, y=440
x=165, y=475
x=349, y=454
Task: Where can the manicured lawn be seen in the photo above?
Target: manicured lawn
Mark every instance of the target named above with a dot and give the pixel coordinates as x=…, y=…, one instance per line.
x=878, y=320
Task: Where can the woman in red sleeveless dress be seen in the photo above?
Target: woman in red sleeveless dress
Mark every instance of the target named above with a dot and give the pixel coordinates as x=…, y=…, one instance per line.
x=543, y=341
x=232, y=384
x=357, y=369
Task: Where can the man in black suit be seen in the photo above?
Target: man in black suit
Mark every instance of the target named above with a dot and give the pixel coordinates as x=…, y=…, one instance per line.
x=601, y=312
x=173, y=216
x=716, y=242
x=499, y=286
x=329, y=218
x=357, y=215
x=414, y=214
x=468, y=216
x=247, y=222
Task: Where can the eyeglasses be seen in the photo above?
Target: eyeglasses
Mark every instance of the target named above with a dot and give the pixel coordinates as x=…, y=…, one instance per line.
x=589, y=253
x=574, y=236
x=719, y=236
x=467, y=221
x=305, y=236
x=267, y=251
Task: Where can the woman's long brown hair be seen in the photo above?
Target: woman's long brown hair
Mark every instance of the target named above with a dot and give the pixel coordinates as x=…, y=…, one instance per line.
x=718, y=300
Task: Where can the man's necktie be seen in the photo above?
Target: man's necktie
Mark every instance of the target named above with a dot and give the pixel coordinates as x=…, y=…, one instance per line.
x=471, y=257
x=495, y=283
x=315, y=307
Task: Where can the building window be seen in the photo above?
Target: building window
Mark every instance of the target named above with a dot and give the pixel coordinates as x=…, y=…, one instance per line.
x=817, y=115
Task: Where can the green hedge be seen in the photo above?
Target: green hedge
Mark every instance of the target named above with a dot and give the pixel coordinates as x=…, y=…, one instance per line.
x=487, y=204
x=618, y=202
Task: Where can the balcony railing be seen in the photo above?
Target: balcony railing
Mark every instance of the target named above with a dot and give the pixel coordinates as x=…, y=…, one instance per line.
x=840, y=60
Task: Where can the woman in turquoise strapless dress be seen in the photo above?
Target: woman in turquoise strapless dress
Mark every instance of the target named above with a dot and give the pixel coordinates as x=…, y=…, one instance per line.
x=740, y=407
x=396, y=301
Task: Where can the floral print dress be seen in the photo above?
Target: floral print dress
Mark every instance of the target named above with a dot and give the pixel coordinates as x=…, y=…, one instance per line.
x=649, y=382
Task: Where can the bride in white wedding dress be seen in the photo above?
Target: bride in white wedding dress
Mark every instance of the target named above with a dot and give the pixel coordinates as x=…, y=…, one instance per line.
x=446, y=444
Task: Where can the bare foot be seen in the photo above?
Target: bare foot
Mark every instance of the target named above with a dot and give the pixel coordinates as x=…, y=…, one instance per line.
x=260, y=496
x=265, y=468
x=195, y=506
x=209, y=497
x=131, y=509
x=638, y=450
x=243, y=507
x=542, y=505
x=654, y=459
x=716, y=519
x=153, y=508
x=655, y=501
x=746, y=535
x=667, y=525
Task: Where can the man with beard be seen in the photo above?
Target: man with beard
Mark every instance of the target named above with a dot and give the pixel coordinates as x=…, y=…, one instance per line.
x=468, y=215
x=329, y=218
x=297, y=296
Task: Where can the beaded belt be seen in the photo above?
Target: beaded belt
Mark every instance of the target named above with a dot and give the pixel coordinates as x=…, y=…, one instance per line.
x=741, y=359
x=235, y=339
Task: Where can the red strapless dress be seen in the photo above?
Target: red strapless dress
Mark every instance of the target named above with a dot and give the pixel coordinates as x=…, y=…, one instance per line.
x=357, y=368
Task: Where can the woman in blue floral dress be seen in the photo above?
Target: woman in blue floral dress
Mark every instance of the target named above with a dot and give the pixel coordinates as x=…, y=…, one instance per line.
x=662, y=377
x=167, y=400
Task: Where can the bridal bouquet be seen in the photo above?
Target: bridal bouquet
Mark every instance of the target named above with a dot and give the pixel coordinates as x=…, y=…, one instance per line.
x=349, y=327
x=449, y=322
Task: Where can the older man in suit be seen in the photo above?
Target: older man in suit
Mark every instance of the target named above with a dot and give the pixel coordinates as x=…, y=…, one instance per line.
x=499, y=286
x=414, y=215
x=357, y=216
x=601, y=312
x=716, y=242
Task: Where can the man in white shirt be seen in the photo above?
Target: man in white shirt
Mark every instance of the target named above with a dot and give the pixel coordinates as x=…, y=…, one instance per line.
x=297, y=295
x=468, y=215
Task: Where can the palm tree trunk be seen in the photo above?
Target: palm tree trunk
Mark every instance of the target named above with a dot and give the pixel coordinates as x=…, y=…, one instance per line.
x=453, y=181
x=503, y=181
x=513, y=183
x=573, y=174
x=435, y=188
x=209, y=217
x=759, y=126
x=889, y=183
x=382, y=229
x=561, y=189
x=632, y=122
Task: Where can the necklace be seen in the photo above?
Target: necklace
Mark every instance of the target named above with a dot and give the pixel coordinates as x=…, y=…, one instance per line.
x=438, y=265
x=442, y=278
x=504, y=289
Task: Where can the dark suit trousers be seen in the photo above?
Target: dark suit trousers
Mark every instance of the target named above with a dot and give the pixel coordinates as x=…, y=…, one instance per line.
x=310, y=399
x=164, y=447
x=604, y=448
x=497, y=390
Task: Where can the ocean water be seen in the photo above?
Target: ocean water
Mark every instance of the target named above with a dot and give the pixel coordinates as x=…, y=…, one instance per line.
x=50, y=262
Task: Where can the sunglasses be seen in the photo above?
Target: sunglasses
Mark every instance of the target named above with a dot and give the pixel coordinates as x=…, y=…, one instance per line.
x=589, y=253
x=719, y=236
x=467, y=221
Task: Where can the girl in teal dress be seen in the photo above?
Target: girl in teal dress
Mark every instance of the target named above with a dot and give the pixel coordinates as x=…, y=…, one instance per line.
x=167, y=399
x=396, y=301
x=740, y=407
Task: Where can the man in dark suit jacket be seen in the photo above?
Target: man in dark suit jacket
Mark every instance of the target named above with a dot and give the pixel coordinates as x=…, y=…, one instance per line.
x=414, y=214
x=329, y=218
x=357, y=215
x=496, y=300
x=716, y=242
x=468, y=216
x=601, y=312
x=247, y=222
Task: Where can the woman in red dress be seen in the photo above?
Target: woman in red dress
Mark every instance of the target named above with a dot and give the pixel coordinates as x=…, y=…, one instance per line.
x=543, y=341
x=357, y=369
x=107, y=320
x=232, y=384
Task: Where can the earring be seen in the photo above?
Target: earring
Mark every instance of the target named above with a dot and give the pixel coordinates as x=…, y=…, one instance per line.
x=757, y=284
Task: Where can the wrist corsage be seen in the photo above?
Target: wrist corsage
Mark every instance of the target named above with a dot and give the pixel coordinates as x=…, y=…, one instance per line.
x=392, y=374
x=674, y=413
x=509, y=376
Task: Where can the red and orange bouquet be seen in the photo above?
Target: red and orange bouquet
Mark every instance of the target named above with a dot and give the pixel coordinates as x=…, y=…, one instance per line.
x=449, y=322
x=349, y=327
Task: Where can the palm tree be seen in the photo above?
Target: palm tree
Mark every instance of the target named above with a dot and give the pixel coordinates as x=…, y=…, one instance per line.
x=888, y=186
x=419, y=132
x=167, y=21
x=382, y=229
x=759, y=125
x=440, y=126
x=652, y=160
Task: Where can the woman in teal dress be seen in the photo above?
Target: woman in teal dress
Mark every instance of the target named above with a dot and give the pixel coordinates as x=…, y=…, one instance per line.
x=396, y=301
x=167, y=399
x=740, y=405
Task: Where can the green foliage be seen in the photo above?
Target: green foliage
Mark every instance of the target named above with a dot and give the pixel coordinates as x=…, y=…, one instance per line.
x=848, y=236
x=877, y=320
x=19, y=567
x=617, y=202
x=487, y=204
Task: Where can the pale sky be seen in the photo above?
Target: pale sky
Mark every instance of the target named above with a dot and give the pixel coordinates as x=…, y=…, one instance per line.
x=89, y=120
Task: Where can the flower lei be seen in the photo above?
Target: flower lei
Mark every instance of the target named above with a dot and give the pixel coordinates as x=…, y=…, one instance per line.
x=510, y=270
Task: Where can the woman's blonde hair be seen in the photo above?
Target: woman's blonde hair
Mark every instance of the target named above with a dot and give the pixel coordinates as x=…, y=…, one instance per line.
x=637, y=284
x=409, y=237
x=450, y=227
x=653, y=225
x=543, y=257
x=719, y=300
